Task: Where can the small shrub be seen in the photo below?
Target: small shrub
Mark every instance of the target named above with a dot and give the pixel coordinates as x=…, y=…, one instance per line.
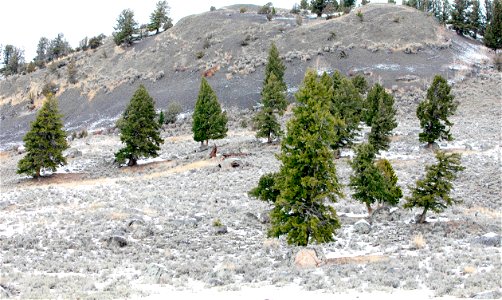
x=212, y=8
x=72, y=72
x=396, y=19
x=74, y=135
x=299, y=20
x=96, y=41
x=104, y=55
x=173, y=110
x=269, y=16
x=265, y=9
x=360, y=15
x=31, y=67
x=244, y=123
x=49, y=88
x=418, y=241
x=391, y=1
x=199, y=55
x=217, y=223
x=206, y=44
x=332, y=36
x=497, y=61
x=242, y=10
x=82, y=134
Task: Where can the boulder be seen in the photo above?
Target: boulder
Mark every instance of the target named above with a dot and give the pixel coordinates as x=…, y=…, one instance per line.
x=72, y=153
x=117, y=241
x=490, y=239
x=362, y=226
x=488, y=295
x=307, y=259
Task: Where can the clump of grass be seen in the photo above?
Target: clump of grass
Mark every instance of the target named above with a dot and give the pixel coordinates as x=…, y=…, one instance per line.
x=359, y=14
x=217, y=223
x=199, y=55
x=418, y=241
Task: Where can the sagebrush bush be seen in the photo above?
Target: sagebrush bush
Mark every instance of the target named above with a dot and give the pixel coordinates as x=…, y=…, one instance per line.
x=50, y=88
x=173, y=110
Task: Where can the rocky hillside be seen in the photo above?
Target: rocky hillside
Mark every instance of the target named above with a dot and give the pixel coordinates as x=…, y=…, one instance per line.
x=396, y=45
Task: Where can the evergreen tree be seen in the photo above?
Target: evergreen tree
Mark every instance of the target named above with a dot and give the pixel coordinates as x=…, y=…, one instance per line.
x=42, y=47
x=162, y=118
x=273, y=101
x=45, y=142
x=373, y=182
x=125, y=29
x=267, y=188
x=159, y=17
x=276, y=66
x=58, y=47
x=475, y=18
x=459, y=19
x=307, y=177
x=493, y=32
x=434, y=111
x=346, y=107
x=360, y=84
x=13, y=59
x=304, y=4
x=139, y=129
x=380, y=114
x=445, y=15
x=209, y=122
x=433, y=191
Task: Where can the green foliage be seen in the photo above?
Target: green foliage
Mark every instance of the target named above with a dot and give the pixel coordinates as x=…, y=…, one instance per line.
x=318, y=6
x=139, y=129
x=380, y=114
x=50, y=88
x=359, y=14
x=266, y=9
x=199, y=54
x=58, y=47
x=304, y=4
x=373, y=182
x=217, y=223
x=212, y=8
x=45, y=142
x=296, y=9
x=173, y=110
x=96, y=41
x=276, y=66
x=475, y=18
x=346, y=106
x=307, y=177
x=125, y=29
x=209, y=122
x=493, y=33
x=267, y=188
x=242, y=10
x=159, y=17
x=273, y=101
x=459, y=20
x=360, y=84
x=13, y=59
x=162, y=118
x=433, y=191
x=434, y=111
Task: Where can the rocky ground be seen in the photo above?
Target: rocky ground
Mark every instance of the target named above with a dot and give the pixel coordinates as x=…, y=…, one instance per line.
x=93, y=230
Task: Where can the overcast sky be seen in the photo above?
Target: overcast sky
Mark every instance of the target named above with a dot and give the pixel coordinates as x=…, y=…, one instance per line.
x=23, y=22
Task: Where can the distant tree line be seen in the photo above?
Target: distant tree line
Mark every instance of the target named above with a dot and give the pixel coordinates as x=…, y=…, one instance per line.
x=467, y=17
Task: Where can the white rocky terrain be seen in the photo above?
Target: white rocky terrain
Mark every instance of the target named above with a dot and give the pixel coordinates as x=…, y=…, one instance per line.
x=96, y=231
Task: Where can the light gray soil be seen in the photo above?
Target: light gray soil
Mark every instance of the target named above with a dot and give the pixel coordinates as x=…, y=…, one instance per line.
x=98, y=231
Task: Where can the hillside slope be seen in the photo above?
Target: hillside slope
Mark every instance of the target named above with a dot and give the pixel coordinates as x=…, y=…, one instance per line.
x=396, y=45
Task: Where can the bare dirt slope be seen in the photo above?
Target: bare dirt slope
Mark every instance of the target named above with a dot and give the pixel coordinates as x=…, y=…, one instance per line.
x=395, y=45
x=96, y=231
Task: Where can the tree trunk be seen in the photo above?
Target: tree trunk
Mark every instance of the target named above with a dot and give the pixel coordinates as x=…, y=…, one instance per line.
x=132, y=162
x=370, y=210
x=429, y=145
x=422, y=216
x=269, y=140
x=37, y=174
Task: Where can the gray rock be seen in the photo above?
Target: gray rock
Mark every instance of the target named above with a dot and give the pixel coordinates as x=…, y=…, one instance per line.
x=117, y=241
x=220, y=229
x=21, y=149
x=362, y=226
x=72, y=153
x=490, y=239
x=264, y=217
x=488, y=295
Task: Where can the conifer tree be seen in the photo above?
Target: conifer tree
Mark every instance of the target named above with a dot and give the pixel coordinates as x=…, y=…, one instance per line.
x=139, y=129
x=373, y=182
x=380, y=114
x=493, y=32
x=459, y=19
x=276, y=66
x=45, y=142
x=475, y=18
x=125, y=29
x=159, y=17
x=360, y=84
x=162, y=118
x=346, y=106
x=434, y=111
x=307, y=177
x=273, y=101
x=267, y=188
x=209, y=122
x=433, y=191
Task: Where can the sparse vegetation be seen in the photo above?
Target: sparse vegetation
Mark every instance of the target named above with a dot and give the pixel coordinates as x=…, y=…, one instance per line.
x=242, y=10
x=199, y=54
x=45, y=142
x=359, y=14
x=72, y=72
x=173, y=110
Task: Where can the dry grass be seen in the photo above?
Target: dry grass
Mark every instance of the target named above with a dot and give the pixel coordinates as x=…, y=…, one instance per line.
x=418, y=241
x=118, y=216
x=469, y=270
x=362, y=259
